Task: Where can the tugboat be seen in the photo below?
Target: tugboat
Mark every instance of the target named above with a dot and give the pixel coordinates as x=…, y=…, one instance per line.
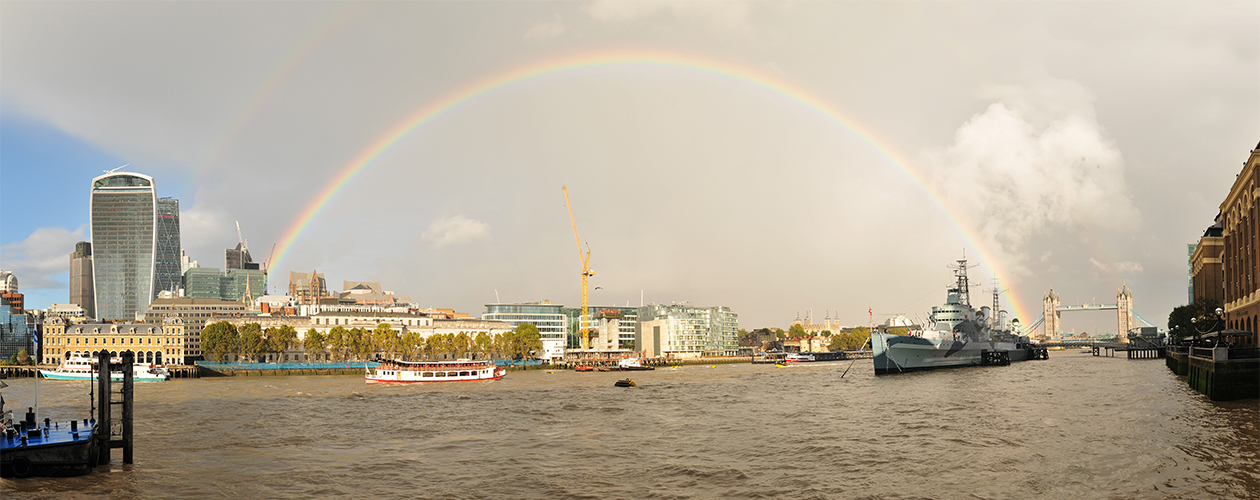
x=957, y=334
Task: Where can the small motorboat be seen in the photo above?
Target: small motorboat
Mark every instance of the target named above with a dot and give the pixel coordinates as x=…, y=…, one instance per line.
x=632, y=365
x=583, y=368
x=625, y=382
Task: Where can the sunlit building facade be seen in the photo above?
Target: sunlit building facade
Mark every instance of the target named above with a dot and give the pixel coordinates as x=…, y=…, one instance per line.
x=124, y=237
x=683, y=331
x=550, y=319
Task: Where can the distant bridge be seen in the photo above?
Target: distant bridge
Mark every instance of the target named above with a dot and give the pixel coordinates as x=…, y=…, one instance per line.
x=1050, y=319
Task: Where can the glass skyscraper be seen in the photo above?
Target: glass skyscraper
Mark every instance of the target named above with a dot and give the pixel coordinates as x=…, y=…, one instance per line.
x=167, y=272
x=124, y=239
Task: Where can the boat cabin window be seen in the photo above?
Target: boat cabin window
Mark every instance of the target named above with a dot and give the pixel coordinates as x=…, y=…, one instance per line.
x=453, y=374
x=440, y=374
x=428, y=374
x=463, y=374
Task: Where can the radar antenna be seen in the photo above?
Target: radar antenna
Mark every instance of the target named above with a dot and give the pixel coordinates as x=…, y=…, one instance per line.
x=960, y=273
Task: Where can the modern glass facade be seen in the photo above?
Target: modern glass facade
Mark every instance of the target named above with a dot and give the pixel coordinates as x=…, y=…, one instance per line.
x=15, y=333
x=629, y=316
x=692, y=330
x=237, y=283
x=167, y=274
x=123, y=213
x=549, y=318
x=203, y=283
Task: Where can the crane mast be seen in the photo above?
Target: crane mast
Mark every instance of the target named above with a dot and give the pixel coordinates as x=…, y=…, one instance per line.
x=583, y=332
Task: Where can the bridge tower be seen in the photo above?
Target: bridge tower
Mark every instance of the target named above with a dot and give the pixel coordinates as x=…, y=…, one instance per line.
x=1124, y=312
x=1050, y=311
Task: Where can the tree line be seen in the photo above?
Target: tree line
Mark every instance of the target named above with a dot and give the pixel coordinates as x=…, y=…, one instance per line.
x=251, y=341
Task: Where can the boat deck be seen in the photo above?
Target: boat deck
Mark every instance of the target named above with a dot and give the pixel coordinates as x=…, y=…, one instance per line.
x=57, y=449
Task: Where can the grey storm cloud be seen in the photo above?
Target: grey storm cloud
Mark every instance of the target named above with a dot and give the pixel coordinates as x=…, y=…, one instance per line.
x=1055, y=132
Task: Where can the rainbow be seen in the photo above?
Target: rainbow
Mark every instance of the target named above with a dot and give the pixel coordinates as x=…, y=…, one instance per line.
x=736, y=74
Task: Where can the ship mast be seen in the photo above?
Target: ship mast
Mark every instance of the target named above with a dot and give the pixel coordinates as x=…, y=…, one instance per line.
x=960, y=273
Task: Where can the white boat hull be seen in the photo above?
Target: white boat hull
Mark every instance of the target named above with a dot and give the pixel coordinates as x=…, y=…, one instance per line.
x=430, y=373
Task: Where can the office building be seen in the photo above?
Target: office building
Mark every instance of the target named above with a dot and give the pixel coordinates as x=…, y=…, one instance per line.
x=123, y=213
x=1240, y=232
x=684, y=331
x=550, y=319
x=82, y=293
x=597, y=320
x=157, y=344
x=167, y=275
x=15, y=331
x=241, y=285
x=8, y=282
x=194, y=314
x=307, y=288
x=239, y=258
x=1206, y=272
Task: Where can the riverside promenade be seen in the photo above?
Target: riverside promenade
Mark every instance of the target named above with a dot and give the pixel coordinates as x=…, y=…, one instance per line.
x=1220, y=373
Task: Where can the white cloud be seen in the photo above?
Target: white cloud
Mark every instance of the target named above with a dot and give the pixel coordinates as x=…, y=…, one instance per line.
x=1126, y=267
x=456, y=230
x=547, y=29
x=724, y=15
x=1034, y=162
x=37, y=260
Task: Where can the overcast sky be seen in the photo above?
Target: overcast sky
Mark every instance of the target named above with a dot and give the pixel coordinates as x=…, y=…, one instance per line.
x=773, y=157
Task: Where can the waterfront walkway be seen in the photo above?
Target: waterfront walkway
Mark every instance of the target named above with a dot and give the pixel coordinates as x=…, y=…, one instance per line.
x=1221, y=373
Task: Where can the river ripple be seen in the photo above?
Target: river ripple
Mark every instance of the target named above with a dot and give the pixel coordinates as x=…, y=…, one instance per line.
x=1074, y=426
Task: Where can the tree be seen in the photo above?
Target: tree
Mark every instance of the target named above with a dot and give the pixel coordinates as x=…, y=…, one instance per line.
x=526, y=339
x=852, y=341
x=219, y=339
x=462, y=344
x=339, y=342
x=385, y=339
x=411, y=345
x=252, y=342
x=484, y=343
x=796, y=331
x=314, y=343
x=437, y=346
x=1203, y=314
x=280, y=339
x=780, y=334
x=361, y=342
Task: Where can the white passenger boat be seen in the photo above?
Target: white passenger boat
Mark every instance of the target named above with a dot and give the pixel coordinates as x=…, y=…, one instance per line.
x=463, y=370
x=80, y=368
x=800, y=357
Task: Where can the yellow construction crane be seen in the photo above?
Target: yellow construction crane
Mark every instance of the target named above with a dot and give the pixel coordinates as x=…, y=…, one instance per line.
x=583, y=332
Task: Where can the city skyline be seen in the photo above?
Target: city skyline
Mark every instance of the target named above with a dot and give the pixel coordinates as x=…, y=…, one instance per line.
x=772, y=158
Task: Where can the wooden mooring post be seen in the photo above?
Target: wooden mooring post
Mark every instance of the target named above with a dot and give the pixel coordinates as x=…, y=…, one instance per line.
x=106, y=403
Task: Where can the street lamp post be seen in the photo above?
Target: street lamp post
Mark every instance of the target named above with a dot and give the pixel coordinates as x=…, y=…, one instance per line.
x=1216, y=319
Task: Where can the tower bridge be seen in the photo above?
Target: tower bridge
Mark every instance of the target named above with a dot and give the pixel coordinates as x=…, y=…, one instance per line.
x=1052, y=312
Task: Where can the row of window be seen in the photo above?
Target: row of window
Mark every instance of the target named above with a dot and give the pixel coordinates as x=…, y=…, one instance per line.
x=52, y=340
